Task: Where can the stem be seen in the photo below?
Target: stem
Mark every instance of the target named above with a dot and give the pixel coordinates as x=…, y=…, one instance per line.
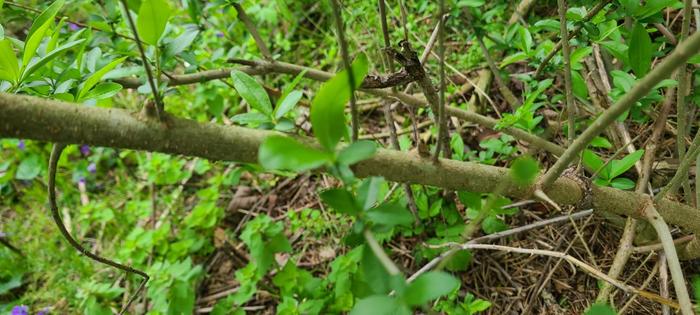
x=378, y=251
x=570, y=109
x=442, y=120
x=250, y=26
x=348, y=67
x=160, y=108
x=676, y=59
x=681, y=106
x=674, y=265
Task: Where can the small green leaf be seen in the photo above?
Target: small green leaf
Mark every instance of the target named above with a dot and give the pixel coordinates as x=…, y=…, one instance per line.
x=179, y=44
x=600, y=142
x=341, y=200
x=470, y=3
x=153, y=17
x=32, y=43
x=9, y=69
x=379, y=305
x=600, y=309
x=389, y=215
x=45, y=16
x=287, y=104
x=327, y=107
x=524, y=170
x=29, y=168
x=94, y=78
x=430, y=286
x=493, y=224
x=640, y=51
x=356, y=152
x=37, y=64
x=622, y=183
x=620, y=166
x=252, y=92
x=250, y=118
x=595, y=163
x=516, y=57
x=279, y=152
x=104, y=90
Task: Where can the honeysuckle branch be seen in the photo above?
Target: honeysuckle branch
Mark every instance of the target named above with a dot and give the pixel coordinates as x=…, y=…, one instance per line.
x=442, y=119
x=40, y=119
x=664, y=70
x=681, y=106
x=340, y=32
x=250, y=26
x=573, y=33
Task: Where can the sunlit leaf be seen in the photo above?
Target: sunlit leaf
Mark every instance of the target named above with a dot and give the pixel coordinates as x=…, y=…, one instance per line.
x=153, y=17
x=284, y=153
x=252, y=92
x=640, y=51
x=94, y=78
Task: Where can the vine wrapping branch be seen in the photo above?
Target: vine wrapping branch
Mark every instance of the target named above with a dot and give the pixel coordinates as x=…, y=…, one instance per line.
x=53, y=165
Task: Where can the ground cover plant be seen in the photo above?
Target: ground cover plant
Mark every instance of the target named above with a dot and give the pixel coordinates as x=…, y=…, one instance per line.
x=349, y=157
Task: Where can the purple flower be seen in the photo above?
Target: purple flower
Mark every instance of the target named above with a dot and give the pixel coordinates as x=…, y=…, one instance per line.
x=20, y=310
x=85, y=149
x=92, y=168
x=73, y=27
x=21, y=145
x=219, y=34
x=44, y=311
x=81, y=180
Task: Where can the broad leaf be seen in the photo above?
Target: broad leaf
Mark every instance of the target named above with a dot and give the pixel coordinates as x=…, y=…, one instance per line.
x=390, y=215
x=340, y=200
x=524, y=170
x=379, y=305
x=430, y=286
x=640, y=51
x=179, y=44
x=287, y=104
x=622, y=183
x=32, y=43
x=356, y=152
x=9, y=69
x=94, y=78
x=250, y=118
x=279, y=152
x=618, y=167
x=103, y=90
x=45, y=17
x=327, y=107
x=36, y=64
x=252, y=92
x=153, y=17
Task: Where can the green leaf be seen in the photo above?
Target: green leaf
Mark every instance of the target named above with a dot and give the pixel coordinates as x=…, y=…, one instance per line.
x=9, y=69
x=470, y=3
x=340, y=200
x=29, y=168
x=524, y=170
x=250, y=118
x=45, y=17
x=252, y=92
x=516, y=57
x=622, y=183
x=430, y=286
x=390, y=215
x=600, y=309
x=179, y=44
x=621, y=166
x=32, y=43
x=37, y=64
x=279, y=152
x=287, y=104
x=600, y=142
x=379, y=305
x=94, y=78
x=592, y=161
x=104, y=90
x=153, y=17
x=327, y=107
x=640, y=51
x=493, y=224
x=356, y=152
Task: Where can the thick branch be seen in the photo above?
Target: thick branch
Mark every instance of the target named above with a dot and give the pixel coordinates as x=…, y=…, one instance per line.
x=47, y=120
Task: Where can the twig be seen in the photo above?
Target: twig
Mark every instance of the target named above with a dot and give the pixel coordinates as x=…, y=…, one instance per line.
x=644, y=285
x=398, y=132
x=659, y=246
x=502, y=86
x=53, y=164
x=378, y=251
x=348, y=67
x=11, y=247
x=498, y=235
x=160, y=108
x=393, y=136
x=663, y=282
x=570, y=109
x=674, y=265
x=442, y=120
x=573, y=33
x=681, y=106
x=676, y=59
x=252, y=30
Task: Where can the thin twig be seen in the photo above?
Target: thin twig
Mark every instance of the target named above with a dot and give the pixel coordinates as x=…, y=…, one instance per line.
x=442, y=120
x=681, y=106
x=378, y=251
x=570, y=109
x=348, y=67
x=252, y=30
x=160, y=108
x=674, y=265
x=53, y=164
